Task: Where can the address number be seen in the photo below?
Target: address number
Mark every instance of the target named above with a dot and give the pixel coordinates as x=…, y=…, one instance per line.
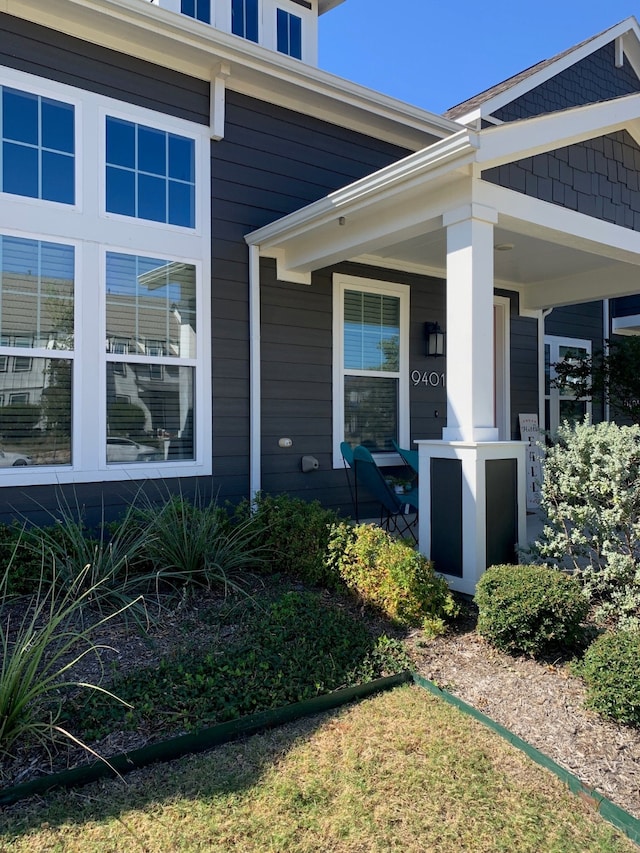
x=432, y=379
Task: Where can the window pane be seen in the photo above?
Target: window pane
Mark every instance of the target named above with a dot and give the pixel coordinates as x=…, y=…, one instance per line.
x=181, y=204
x=282, y=31
x=181, y=159
x=121, y=143
x=371, y=411
x=188, y=7
x=36, y=293
x=151, y=306
x=149, y=413
x=121, y=191
x=58, y=177
x=20, y=170
x=152, y=198
x=152, y=151
x=251, y=18
x=35, y=415
x=203, y=11
x=371, y=332
x=19, y=116
x=57, y=126
x=295, y=37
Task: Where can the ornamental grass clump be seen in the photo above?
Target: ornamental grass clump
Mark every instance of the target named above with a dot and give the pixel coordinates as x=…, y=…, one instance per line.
x=530, y=609
x=391, y=576
x=611, y=670
x=42, y=639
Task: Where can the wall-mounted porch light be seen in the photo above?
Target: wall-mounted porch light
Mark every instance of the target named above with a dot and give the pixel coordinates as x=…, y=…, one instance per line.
x=434, y=338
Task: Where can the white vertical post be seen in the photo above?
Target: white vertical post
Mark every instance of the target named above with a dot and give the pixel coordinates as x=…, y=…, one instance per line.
x=470, y=348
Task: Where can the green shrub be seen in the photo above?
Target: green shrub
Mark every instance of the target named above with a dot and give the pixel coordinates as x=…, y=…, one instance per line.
x=591, y=499
x=611, y=670
x=529, y=608
x=388, y=574
x=295, y=536
x=23, y=568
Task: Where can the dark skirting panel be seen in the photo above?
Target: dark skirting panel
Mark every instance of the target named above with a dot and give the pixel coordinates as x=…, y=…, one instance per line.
x=446, y=516
x=502, y=511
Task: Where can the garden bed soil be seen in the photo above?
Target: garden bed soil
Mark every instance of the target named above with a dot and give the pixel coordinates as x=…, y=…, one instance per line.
x=541, y=702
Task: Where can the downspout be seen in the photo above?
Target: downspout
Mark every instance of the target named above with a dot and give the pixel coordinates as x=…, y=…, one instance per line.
x=255, y=445
x=606, y=334
x=544, y=313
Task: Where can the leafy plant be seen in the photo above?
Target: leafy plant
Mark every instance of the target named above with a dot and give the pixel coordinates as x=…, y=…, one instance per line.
x=611, y=670
x=591, y=499
x=298, y=648
x=388, y=574
x=39, y=653
x=295, y=536
x=530, y=608
x=24, y=566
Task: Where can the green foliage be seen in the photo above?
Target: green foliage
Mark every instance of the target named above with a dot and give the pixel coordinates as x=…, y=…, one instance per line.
x=297, y=649
x=24, y=567
x=591, y=499
x=530, y=608
x=125, y=418
x=18, y=420
x=38, y=655
x=611, y=670
x=610, y=375
x=295, y=536
x=195, y=542
x=388, y=574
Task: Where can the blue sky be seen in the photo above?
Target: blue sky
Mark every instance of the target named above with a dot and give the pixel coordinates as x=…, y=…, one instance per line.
x=435, y=54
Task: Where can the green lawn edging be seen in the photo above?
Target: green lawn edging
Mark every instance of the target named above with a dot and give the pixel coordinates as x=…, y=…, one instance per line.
x=199, y=741
x=614, y=814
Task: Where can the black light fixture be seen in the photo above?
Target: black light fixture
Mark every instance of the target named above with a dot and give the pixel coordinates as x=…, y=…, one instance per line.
x=434, y=337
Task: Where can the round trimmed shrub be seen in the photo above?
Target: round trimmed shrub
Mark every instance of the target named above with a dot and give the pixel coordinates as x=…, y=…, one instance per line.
x=611, y=670
x=529, y=608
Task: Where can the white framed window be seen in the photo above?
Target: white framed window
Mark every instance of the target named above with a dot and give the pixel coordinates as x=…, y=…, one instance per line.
x=199, y=9
x=370, y=365
x=245, y=19
x=98, y=308
x=289, y=33
x=561, y=404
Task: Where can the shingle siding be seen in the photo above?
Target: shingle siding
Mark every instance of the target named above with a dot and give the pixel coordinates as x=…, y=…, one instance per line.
x=600, y=178
x=593, y=79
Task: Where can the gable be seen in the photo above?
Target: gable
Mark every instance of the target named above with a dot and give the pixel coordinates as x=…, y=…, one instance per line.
x=599, y=177
x=592, y=79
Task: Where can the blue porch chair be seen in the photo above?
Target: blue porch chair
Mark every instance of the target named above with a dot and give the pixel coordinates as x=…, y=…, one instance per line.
x=409, y=457
x=392, y=506
x=347, y=459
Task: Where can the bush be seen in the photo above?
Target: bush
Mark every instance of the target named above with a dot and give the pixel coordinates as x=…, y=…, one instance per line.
x=20, y=565
x=611, y=670
x=591, y=499
x=295, y=536
x=388, y=574
x=530, y=608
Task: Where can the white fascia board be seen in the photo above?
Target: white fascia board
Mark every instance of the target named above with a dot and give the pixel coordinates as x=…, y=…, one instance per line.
x=178, y=42
x=449, y=155
x=592, y=285
x=328, y=5
x=627, y=28
x=515, y=140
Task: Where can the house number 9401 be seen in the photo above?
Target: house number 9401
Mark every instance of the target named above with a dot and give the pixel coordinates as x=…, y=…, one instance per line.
x=424, y=377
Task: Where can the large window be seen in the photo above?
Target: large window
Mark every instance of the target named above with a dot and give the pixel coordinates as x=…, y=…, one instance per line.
x=244, y=19
x=104, y=320
x=150, y=173
x=200, y=9
x=561, y=403
x=38, y=146
x=289, y=34
x=370, y=364
x=36, y=315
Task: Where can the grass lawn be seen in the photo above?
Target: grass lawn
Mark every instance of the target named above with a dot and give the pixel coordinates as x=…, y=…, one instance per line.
x=401, y=771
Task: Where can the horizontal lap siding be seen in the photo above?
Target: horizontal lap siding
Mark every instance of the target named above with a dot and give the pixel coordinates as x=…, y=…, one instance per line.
x=271, y=162
x=524, y=363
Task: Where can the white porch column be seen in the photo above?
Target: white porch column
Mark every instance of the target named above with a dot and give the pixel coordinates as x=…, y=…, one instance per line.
x=470, y=355
x=472, y=486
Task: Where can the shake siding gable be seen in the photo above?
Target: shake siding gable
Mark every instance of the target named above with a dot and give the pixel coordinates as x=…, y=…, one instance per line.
x=600, y=178
x=593, y=79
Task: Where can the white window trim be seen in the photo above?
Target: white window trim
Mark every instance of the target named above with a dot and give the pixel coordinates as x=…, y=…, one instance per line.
x=93, y=233
x=386, y=288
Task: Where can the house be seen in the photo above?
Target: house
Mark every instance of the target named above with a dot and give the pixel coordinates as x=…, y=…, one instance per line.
x=217, y=251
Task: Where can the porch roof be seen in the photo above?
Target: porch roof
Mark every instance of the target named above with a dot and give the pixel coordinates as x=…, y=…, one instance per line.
x=395, y=217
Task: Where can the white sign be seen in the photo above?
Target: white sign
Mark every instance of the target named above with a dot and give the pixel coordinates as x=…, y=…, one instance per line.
x=530, y=432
